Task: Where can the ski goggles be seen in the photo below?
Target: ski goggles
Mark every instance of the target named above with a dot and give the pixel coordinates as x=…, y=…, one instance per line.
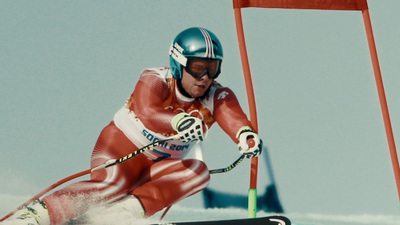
x=198, y=67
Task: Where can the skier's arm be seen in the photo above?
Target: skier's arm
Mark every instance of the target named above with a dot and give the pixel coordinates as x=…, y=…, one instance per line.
x=228, y=113
x=148, y=97
x=234, y=122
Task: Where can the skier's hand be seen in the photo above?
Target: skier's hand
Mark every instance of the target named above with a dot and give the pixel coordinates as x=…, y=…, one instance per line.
x=250, y=144
x=189, y=128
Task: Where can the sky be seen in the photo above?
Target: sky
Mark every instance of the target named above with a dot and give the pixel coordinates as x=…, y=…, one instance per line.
x=67, y=66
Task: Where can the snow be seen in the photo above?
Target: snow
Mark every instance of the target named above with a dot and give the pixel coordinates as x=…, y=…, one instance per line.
x=177, y=213
x=182, y=213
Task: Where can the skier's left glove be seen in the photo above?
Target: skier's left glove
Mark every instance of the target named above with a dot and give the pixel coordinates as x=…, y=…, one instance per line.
x=250, y=144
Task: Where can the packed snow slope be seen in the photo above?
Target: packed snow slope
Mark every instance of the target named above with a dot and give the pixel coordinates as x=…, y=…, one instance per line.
x=180, y=213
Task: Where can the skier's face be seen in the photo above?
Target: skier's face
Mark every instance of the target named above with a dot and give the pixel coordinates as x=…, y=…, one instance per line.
x=195, y=87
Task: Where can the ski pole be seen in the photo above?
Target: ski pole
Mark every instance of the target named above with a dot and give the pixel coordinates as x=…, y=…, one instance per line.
x=133, y=154
x=251, y=144
x=88, y=171
x=229, y=168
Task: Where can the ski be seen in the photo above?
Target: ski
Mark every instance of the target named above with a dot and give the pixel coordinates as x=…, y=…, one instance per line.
x=269, y=220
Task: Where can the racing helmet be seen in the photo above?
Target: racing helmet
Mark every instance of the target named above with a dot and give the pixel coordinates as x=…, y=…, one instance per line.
x=195, y=42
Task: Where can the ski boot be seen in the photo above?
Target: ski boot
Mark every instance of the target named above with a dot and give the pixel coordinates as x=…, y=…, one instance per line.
x=34, y=213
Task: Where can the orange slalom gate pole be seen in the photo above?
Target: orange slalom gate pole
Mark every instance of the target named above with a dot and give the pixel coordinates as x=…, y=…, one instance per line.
x=252, y=201
x=382, y=98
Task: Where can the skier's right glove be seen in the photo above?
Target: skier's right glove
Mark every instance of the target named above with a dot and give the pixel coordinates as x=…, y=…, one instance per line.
x=189, y=128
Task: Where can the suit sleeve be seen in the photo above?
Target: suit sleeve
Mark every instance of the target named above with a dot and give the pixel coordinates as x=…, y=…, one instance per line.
x=228, y=113
x=148, y=97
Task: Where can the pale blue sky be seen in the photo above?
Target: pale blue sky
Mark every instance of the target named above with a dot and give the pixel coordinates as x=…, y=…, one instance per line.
x=67, y=66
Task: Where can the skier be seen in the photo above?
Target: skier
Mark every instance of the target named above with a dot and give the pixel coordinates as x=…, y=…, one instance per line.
x=182, y=99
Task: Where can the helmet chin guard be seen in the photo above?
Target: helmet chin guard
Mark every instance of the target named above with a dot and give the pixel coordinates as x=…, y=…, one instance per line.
x=194, y=42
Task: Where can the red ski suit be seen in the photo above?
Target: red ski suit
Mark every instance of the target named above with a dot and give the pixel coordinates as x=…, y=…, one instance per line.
x=159, y=177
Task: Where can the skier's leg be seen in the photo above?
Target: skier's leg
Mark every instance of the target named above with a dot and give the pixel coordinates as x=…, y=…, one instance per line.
x=104, y=185
x=169, y=181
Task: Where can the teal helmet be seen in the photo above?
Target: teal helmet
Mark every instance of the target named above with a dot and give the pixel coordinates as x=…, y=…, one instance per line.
x=194, y=42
